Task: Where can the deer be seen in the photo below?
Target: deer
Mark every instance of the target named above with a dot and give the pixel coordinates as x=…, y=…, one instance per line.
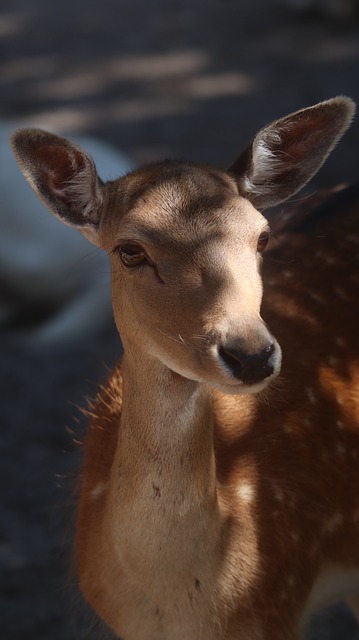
x=219, y=491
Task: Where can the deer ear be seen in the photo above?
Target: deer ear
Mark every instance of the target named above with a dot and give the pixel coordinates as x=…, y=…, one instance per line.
x=283, y=156
x=63, y=176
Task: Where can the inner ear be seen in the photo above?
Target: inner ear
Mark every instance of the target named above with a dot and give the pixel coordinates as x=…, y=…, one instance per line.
x=69, y=177
x=62, y=174
x=287, y=153
x=61, y=165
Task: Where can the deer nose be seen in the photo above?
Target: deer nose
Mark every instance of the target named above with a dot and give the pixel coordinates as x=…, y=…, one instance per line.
x=250, y=368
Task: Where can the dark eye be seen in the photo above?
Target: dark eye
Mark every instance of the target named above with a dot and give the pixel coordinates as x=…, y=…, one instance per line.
x=262, y=241
x=131, y=255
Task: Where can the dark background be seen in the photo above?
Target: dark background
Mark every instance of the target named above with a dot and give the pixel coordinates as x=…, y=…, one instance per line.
x=192, y=79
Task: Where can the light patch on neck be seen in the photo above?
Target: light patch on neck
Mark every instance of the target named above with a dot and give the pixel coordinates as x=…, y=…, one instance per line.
x=246, y=492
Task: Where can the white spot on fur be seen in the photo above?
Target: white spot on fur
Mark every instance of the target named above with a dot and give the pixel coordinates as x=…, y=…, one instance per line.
x=278, y=493
x=246, y=492
x=315, y=548
x=289, y=428
x=333, y=524
x=340, y=341
x=97, y=491
x=324, y=456
x=310, y=395
x=340, y=293
x=332, y=361
x=340, y=425
x=341, y=450
x=294, y=537
x=316, y=297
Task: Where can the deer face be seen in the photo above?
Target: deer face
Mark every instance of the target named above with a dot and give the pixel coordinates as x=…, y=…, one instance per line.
x=186, y=258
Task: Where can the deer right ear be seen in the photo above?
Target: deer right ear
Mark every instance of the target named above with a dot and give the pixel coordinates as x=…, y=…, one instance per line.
x=63, y=176
x=284, y=155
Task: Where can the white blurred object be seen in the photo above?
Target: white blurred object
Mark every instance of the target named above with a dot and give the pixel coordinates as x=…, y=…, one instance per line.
x=54, y=285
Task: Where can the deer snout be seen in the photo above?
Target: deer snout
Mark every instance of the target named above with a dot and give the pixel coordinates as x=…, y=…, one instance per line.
x=248, y=367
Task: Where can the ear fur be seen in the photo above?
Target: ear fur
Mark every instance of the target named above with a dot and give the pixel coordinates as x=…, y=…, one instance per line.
x=287, y=153
x=62, y=175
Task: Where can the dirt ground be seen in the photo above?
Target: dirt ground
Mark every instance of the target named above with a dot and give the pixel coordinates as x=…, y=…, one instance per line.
x=190, y=79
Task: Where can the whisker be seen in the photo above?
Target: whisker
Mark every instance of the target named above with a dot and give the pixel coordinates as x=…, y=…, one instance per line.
x=186, y=343
x=167, y=335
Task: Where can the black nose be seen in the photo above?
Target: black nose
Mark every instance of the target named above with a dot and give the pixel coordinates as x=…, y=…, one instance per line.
x=248, y=367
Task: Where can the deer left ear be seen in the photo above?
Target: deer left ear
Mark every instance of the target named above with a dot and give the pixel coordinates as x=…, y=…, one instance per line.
x=286, y=154
x=63, y=176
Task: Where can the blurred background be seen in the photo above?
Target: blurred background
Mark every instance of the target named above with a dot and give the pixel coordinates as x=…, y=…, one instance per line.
x=134, y=81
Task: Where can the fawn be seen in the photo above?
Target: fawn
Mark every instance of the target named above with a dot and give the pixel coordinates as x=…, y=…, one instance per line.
x=219, y=496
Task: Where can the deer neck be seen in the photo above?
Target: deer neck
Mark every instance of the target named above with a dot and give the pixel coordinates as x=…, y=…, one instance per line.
x=167, y=422
x=164, y=468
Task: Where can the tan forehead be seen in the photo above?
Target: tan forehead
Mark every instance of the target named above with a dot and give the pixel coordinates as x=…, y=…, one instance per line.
x=190, y=201
x=180, y=186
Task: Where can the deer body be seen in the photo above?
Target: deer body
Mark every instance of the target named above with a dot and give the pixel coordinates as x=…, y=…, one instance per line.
x=218, y=500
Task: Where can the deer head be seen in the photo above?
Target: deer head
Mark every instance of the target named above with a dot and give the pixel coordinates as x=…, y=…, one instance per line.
x=186, y=240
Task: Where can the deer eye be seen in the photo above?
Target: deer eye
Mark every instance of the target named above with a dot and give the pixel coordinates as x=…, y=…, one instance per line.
x=131, y=255
x=262, y=241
